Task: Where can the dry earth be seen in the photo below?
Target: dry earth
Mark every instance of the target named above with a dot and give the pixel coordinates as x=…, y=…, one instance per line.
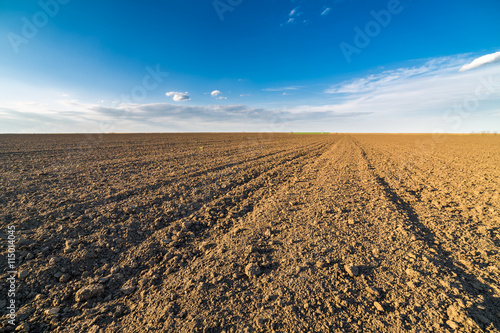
x=252, y=232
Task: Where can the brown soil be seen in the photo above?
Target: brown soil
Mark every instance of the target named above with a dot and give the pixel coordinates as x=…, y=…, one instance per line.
x=252, y=232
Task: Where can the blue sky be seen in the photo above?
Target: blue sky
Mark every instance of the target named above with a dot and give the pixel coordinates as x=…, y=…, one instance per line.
x=240, y=65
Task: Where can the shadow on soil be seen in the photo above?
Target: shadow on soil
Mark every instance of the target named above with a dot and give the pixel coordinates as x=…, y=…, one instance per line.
x=468, y=283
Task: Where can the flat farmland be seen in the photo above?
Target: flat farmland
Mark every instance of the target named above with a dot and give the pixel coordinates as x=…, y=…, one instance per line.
x=252, y=232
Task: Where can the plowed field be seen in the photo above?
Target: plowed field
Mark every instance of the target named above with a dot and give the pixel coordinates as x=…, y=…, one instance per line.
x=252, y=232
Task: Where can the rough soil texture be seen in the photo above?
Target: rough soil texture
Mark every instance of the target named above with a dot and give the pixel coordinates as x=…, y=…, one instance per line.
x=253, y=232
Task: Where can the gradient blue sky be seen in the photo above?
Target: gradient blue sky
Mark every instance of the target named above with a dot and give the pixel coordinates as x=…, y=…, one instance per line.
x=241, y=65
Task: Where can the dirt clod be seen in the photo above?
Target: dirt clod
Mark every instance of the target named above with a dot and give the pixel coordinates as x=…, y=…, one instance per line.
x=352, y=270
x=252, y=270
x=378, y=306
x=23, y=274
x=89, y=292
x=373, y=291
x=52, y=311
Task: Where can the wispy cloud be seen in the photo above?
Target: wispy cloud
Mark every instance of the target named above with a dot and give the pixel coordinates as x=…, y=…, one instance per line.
x=293, y=16
x=326, y=11
x=425, y=91
x=372, y=82
x=481, y=61
x=178, y=96
x=305, y=11
x=283, y=88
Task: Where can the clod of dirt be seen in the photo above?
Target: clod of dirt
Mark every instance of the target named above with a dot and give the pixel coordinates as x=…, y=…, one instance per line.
x=373, y=291
x=127, y=290
x=202, y=286
x=88, y=292
x=70, y=243
x=251, y=249
x=351, y=270
x=23, y=273
x=52, y=311
x=252, y=270
x=378, y=306
x=53, y=261
x=204, y=246
x=65, y=278
x=320, y=263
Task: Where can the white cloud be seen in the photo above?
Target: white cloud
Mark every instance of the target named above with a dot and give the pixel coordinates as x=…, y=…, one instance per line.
x=481, y=61
x=326, y=11
x=178, y=96
x=292, y=16
x=217, y=95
